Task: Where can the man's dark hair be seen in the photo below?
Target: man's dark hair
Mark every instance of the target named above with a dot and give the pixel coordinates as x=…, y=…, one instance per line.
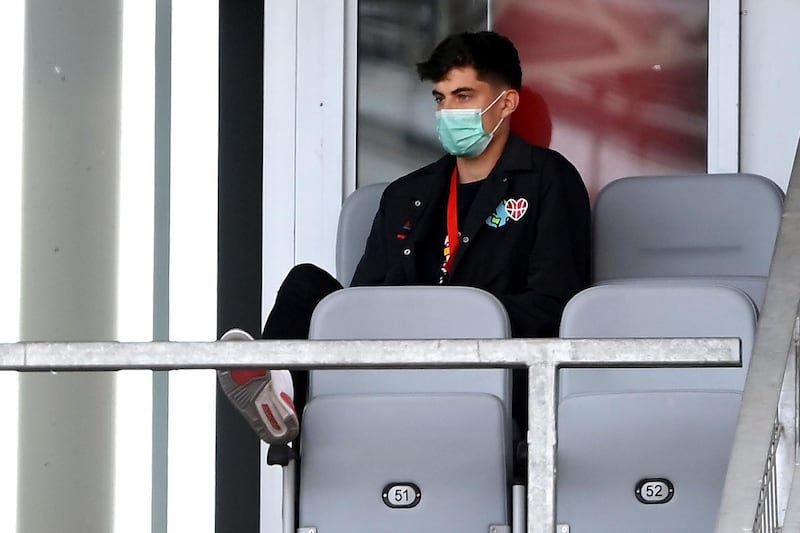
x=492, y=55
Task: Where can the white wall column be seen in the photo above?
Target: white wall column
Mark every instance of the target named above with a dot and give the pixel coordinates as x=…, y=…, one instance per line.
x=770, y=109
x=723, y=86
x=69, y=250
x=309, y=151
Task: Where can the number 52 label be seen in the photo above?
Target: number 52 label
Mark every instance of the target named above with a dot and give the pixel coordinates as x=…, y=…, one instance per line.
x=654, y=490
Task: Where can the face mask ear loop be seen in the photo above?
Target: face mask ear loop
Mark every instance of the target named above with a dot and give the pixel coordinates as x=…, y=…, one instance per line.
x=498, y=125
x=488, y=107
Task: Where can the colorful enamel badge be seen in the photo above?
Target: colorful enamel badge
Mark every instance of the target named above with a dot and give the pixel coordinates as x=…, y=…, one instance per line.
x=404, y=232
x=513, y=209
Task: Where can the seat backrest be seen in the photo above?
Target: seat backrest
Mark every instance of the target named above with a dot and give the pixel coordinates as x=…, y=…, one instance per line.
x=355, y=221
x=709, y=226
x=431, y=312
x=658, y=310
x=634, y=434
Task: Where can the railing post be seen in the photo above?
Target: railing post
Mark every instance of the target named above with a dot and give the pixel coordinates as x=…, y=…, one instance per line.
x=541, y=440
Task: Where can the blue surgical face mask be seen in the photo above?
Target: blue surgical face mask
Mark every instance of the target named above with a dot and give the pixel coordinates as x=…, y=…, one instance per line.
x=461, y=130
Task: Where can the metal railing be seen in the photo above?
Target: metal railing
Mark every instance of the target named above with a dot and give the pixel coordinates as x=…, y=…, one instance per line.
x=792, y=517
x=761, y=492
x=542, y=357
x=768, y=510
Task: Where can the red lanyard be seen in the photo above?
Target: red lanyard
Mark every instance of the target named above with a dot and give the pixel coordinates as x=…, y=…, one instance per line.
x=452, y=221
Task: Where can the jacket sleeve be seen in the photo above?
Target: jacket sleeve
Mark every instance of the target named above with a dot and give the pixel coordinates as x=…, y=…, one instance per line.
x=372, y=267
x=558, y=262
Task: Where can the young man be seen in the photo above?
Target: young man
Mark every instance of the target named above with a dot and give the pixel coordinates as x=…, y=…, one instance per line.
x=495, y=213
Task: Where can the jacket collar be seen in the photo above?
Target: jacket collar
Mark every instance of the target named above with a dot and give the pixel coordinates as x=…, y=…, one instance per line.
x=516, y=157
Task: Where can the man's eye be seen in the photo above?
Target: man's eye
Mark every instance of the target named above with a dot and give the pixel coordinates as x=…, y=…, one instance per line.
x=438, y=99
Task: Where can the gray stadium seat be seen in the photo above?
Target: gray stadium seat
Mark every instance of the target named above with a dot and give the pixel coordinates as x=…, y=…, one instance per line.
x=355, y=221
x=444, y=432
x=719, y=227
x=619, y=428
x=410, y=313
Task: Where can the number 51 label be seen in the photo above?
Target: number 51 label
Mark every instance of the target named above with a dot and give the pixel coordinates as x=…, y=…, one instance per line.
x=401, y=495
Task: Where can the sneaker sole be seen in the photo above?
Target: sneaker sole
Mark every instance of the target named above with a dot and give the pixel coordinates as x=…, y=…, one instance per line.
x=272, y=415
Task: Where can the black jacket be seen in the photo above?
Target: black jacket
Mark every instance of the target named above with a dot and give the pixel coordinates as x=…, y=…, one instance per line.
x=533, y=265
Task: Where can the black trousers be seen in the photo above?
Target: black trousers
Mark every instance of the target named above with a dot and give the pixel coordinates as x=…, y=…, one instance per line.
x=303, y=288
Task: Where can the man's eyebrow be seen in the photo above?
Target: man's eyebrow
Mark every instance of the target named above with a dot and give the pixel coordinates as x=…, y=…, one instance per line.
x=457, y=91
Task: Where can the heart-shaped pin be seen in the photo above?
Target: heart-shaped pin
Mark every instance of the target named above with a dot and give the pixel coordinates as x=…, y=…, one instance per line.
x=516, y=208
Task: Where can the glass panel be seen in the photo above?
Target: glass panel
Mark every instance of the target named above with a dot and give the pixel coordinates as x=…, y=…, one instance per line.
x=618, y=86
x=396, y=128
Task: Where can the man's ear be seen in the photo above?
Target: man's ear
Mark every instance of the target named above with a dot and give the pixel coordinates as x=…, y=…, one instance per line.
x=509, y=102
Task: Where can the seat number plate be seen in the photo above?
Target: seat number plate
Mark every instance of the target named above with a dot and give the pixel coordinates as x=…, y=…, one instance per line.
x=654, y=490
x=401, y=495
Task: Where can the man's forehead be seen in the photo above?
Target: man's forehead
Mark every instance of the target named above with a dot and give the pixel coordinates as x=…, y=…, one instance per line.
x=458, y=78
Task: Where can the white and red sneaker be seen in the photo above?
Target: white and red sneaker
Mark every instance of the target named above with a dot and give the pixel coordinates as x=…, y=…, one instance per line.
x=264, y=397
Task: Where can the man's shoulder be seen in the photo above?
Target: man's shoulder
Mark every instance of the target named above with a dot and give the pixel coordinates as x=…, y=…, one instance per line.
x=524, y=156
x=542, y=169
